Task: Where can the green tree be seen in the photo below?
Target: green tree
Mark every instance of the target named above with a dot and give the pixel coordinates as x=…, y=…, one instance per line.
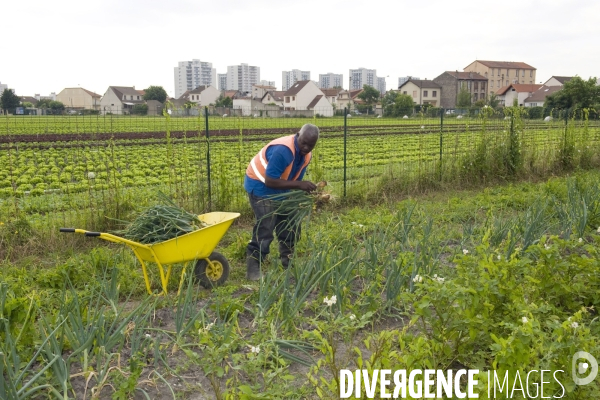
x=56, y=105
x=576, y=93
x=396, y=104
x=369, y=95
x=44, y=103
x=140, y=109
x=9, y=100
x=464, y=98
x=404, y=105
x=492, y=101
x=27, y=104
x=224, y=101
x=155, y=93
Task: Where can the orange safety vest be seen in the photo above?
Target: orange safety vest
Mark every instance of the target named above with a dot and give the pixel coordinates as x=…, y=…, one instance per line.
x=258, y=166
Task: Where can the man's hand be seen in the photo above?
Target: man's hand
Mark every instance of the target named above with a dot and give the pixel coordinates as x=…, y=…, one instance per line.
x=307, y=186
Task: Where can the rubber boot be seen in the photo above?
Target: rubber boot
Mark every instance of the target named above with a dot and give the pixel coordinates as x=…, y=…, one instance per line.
x=252, y=268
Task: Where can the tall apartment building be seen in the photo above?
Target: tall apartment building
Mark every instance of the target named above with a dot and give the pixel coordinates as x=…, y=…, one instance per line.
x=191, y=74
x=293, y=76
x=362, y=76
x=503, y=73
x=222, y=80
x=381, y=85
x=3, y=87
x=403, y=79
x=330, y=80
x=242, y=77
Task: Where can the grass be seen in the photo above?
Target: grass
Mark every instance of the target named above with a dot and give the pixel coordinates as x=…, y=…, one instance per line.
x=374, y=259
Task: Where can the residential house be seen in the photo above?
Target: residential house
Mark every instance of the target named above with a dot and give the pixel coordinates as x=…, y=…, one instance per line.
x=452, y=82
x=538, y=98
x=121, y=99
x=348, y=99
x=261, y=90
x=155, y=107
x=29, y=99
x=79, y=98
x=332, y=96
x=306, y=95
x=503, y=73
x=232, y=94
x=203, y=95
x=508, y=94
x=274, y=97
x=557, y=80
x=249, y=105
x=422, y=91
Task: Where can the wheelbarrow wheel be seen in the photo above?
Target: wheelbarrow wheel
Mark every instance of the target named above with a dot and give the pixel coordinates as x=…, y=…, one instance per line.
x=214, y=274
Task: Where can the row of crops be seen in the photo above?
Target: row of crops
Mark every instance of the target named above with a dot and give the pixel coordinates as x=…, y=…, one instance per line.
x=43, y=178
x=96, y=124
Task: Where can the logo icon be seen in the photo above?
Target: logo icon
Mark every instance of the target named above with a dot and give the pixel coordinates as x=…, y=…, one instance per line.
x=579, y=368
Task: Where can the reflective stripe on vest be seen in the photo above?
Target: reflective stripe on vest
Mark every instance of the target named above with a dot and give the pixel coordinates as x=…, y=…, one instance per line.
x=258, y=165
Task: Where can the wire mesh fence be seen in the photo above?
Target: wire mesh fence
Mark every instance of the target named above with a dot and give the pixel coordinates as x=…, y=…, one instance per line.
x=93, y=170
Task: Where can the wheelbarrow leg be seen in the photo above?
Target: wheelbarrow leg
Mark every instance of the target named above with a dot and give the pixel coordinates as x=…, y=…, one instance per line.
x=164, y=280
x=182, y=278
x=144, y=271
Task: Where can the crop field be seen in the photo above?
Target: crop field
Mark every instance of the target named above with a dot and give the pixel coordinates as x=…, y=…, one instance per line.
x=472, y=246
x=58, y=173
x=60, y=124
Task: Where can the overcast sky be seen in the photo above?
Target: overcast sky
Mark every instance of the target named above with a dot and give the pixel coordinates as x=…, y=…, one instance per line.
x=50, y=45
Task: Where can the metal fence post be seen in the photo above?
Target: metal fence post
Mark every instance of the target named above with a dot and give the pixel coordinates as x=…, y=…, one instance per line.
x=345, y=143
x=441, y=140
x=208, y=158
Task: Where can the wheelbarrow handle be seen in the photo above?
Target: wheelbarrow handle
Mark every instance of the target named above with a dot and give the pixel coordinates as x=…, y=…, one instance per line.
x=86, y=233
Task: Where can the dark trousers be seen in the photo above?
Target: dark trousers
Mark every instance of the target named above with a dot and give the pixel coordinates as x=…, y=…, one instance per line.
x=267, y=222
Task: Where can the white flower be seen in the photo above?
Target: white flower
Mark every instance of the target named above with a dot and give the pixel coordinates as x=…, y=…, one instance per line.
x=422, y=126
x=91, y=175
x=438, y=278
x=580, y=240
x=499, y=257
x=574, y=325
x=255, y=349
x=418, y=278
x=547, y=246
x=524, y=320
x=465, y=251
x=206, y=328
x=352, y=317
x=598, y=229
x=330, y=301
x=361, y=226
x=148, y=335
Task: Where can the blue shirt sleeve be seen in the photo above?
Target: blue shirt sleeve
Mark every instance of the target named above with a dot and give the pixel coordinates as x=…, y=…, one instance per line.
x=278, y=157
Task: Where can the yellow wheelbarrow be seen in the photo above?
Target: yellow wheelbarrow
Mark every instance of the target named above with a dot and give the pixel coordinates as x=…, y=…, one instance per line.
x=212, y=268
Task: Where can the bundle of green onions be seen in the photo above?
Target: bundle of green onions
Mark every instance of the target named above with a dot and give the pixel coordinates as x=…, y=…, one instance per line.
x=161, y=222
x=298, y=204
